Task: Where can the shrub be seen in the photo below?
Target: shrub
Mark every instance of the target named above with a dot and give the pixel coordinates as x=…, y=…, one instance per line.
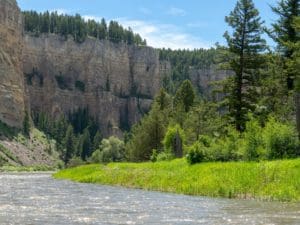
x=254, y=144
x=77, y=161
x=173, y=140
x=153, y=157
x=280, y=140
x=80, y=85
x=96, y=156
x=61, y=82
x=111, y=150
x=196, y=153
x=165, y=156
x=229, y=147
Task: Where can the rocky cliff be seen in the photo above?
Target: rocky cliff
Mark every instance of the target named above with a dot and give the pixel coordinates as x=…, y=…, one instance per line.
x=12, y=101
x=115, y=81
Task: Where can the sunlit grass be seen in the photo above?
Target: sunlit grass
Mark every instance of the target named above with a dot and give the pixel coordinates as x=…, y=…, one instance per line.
x=274, y=180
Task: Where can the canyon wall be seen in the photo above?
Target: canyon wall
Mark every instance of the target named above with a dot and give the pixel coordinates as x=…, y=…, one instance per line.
x=12, y=96
x=55, y=75
x=116, y=82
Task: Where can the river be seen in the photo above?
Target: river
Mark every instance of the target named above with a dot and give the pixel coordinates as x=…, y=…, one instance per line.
x=37, y=198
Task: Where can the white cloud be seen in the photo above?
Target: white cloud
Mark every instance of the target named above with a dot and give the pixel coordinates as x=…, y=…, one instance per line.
x=164, y=35
x=160, y=35
x=173, y=11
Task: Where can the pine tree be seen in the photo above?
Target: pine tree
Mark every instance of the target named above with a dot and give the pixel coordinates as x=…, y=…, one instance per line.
x=69, y=144
x=245, y=44
x=147, y=135
x=97, y=140
x=26, y=124
x=86, y=146
x=284, y=31
x=185, y=96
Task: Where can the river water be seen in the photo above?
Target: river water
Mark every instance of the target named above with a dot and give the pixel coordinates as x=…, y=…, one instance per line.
x=36, y=198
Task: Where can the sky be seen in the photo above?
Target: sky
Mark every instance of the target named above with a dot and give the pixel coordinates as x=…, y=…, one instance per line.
x=175, y=24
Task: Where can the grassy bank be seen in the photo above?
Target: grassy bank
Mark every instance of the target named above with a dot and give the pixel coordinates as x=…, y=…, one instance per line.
x=276, y=180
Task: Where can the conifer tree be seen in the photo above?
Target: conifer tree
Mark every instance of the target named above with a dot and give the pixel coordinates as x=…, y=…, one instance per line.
x=284, y=31
x=26, y=124
x=185, y=95
x=69, y=144
x=85, y=150
x=245, y=44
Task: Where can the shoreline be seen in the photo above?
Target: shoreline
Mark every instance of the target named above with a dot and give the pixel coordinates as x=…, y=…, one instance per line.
x=268, y=180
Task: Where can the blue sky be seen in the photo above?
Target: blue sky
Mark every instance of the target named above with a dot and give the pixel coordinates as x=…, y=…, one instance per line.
x=164, y=23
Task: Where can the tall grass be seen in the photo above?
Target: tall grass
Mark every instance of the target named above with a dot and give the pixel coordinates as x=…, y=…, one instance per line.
x=275, y=180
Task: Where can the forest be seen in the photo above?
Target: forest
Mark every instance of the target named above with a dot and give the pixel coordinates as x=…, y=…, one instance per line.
x=257, y=117
x=78, y=28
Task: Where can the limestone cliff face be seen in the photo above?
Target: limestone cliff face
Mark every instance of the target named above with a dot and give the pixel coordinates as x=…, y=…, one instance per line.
x=203, y=78
x=11, y=75
x=115, y=81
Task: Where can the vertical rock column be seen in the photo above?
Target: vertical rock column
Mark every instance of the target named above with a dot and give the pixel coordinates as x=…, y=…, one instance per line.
x=11, y=76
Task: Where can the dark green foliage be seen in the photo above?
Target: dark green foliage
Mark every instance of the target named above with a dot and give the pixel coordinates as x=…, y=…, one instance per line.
x=97, y=140
x=195, y=154
x=78, y=28
x=26, y=124
x=107, y=84
x=7, y=131
x=32, y=75
x=284, y=32
x=280, y=140
x=283, y=29
x=147, y=135
x=69, y=143
x=62, y=82
x=174, y=140
x=245, y=44
x=182, y=62
x=73, y=135
x=185, y=96
x=81, y=119
x=85, y=146
x=80, y=85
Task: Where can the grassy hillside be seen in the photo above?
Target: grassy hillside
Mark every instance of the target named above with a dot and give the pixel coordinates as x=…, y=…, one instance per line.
x=19, y=152
x=276, y=180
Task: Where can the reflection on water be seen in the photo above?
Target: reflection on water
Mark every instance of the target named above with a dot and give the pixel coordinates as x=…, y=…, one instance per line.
x=38, y=199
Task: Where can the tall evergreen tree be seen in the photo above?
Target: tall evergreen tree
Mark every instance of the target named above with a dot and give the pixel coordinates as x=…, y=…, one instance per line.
x=185, y=96
x=97, y=140
x=26, y=124
x=86, y=146
x=69, y=144
x=245, y=44
x=284, y=31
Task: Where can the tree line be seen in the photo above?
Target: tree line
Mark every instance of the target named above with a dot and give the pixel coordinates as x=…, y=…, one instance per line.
x=254, y=120
x=79, y=28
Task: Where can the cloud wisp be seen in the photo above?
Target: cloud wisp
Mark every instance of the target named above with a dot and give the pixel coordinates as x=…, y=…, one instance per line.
x=160, y=35
x=164, y=35
x=173, y=11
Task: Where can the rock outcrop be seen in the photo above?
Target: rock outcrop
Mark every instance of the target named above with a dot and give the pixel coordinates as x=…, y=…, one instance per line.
x=12, y=101
x=116, y=82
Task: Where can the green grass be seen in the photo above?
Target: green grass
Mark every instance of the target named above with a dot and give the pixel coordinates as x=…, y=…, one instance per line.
x=274, y=180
